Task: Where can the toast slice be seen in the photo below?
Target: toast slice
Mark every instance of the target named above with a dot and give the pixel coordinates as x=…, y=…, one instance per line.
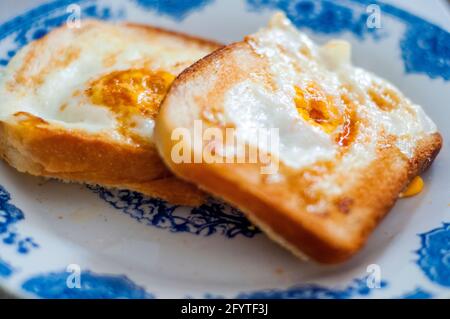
x=347, y=142
x=79, y=105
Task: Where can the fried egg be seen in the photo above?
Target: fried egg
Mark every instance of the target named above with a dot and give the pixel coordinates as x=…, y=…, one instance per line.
x=324, y=107
x=343, y=142
x=103, y=79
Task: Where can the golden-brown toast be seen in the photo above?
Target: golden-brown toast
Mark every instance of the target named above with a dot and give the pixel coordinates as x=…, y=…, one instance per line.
x=349, y=142
x=79, y=105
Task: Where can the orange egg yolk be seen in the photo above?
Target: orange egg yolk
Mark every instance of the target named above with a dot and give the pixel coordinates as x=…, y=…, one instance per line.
x=414, y=187
x=316, y=107
x=385, y=98
x=131, y=92
x=350, y=123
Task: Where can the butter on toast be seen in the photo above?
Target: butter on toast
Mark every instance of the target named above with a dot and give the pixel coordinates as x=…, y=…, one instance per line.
x=349, y=141
x=79, y=105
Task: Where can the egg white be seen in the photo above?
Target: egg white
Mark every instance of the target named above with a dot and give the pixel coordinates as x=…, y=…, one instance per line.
x=252, y=104
x=95, y=41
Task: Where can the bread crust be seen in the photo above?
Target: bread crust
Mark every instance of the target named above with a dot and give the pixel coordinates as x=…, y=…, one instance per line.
x=74, y=156
x=77, y=157
x=327, y=238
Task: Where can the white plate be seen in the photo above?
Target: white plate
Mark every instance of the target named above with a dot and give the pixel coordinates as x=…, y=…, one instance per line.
x=124, y=245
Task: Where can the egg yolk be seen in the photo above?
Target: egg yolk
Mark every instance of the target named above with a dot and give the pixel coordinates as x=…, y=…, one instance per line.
x=385, y=98
x=316, y=107
x=350, y=123
x=132, y=92
x=414, y=187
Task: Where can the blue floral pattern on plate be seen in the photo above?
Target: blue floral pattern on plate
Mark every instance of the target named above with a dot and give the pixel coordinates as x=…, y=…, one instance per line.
x=179, y=11
x=357, y=288
x=9, y=216
x=92, y=286
x=418, y=293
x=38, y=22
x=327, y=17
x=425, y=47
x=6, y=269
x=213, y=217
x=434, y=255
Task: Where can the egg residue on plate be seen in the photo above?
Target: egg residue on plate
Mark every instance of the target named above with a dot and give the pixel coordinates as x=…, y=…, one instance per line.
x=326, y=109
x=413, y=188
x=102, y=79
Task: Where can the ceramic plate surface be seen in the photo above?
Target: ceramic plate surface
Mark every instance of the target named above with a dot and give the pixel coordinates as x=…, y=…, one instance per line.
x=71, y=241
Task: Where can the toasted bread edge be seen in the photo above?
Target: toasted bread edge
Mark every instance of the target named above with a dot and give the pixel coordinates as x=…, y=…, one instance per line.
x=300, y=239
x=75, y=157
